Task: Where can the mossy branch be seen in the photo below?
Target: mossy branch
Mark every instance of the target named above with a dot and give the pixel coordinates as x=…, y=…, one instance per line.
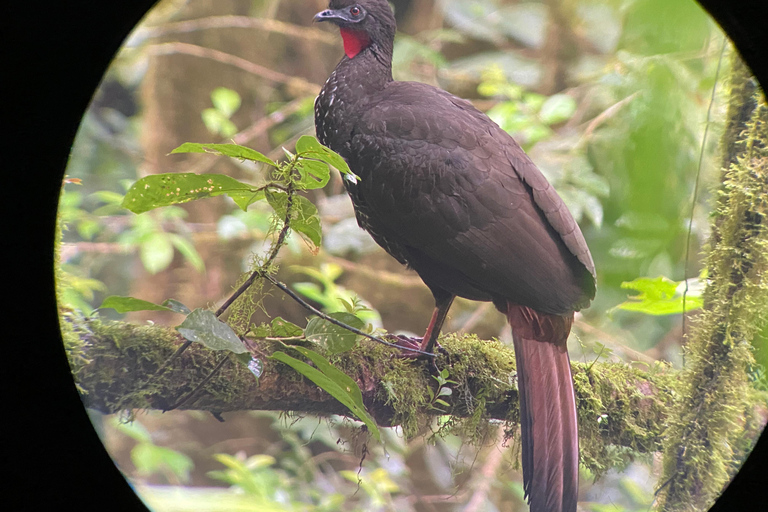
x=622, y=409
x=712, y=425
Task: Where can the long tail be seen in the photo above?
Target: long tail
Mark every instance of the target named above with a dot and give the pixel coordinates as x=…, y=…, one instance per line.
x=549, y=432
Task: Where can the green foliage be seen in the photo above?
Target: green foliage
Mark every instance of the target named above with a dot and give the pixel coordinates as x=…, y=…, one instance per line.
x=253, y=475
x=126, y=304
x=338, y=384
x=156, y=243
x=304, y=217
x=202, y=326
x=435, y=399
x=217, y=119
x=159, y=190
x=526, y=115
x=333, y=297
x=660, y=296
x=150, y=459
x=334, y=338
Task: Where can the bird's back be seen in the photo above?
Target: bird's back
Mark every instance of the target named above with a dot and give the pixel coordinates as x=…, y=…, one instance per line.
x=447, y=191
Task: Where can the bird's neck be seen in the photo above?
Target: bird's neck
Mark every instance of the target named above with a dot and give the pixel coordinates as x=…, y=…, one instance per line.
x=348, y=92
x=367, y=67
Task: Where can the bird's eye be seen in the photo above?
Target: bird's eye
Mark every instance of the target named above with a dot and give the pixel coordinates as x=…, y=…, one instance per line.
x=355, y=11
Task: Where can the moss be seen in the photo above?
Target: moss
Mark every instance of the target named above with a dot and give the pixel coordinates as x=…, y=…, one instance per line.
x=622, y=403
x=699, y=453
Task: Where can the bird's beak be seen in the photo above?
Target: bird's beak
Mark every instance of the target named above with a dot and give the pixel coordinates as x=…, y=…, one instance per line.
x=334, y=15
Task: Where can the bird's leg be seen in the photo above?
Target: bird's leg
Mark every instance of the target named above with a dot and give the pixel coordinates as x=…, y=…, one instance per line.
x=443, y=303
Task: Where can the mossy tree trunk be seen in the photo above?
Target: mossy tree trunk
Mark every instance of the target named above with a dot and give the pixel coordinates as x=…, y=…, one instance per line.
x=709, y=432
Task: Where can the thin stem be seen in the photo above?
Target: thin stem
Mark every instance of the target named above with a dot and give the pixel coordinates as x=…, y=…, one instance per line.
x=696, y=183
x=205, y=381
x=332, y=320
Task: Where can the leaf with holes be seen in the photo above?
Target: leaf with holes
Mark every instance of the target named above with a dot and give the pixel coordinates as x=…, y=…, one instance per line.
x=203, y=327
x=158, y=190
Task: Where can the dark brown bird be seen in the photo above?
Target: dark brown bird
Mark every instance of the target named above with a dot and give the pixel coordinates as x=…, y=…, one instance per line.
x=448, y=193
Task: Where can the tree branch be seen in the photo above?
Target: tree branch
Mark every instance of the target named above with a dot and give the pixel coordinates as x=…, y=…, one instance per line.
x=622, y=409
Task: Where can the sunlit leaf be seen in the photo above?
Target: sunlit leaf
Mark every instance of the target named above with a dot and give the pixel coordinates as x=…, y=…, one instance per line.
x=230, y=150
x=226, y=101
x=658, y=296
x=159, y=190
x=156, y=252
x=308, y=147
x=127, y=304
x=557, y=108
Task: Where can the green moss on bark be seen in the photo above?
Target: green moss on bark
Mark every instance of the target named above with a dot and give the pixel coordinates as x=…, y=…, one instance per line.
x=707, y=426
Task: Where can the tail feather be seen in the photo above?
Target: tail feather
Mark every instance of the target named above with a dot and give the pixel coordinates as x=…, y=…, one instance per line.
x=549, y=432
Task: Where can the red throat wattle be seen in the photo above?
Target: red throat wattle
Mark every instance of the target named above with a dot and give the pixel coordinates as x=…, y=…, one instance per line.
x=355, y=41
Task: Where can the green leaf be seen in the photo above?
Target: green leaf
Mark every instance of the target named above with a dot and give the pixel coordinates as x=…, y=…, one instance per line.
x=230, y=150
x=187, y=249
x=176, y=306
x=149, y=458
x=557, y=108
x=336, y=383
x=313, y=174
x=126, y=304
x=658, y=296
x=156, y=252
x=225, y=100
x=304, y=216
x=202, y=326
x=282, y=328
x=218, y=123
x=159, y=190
x=334, y=338
x=308, y=147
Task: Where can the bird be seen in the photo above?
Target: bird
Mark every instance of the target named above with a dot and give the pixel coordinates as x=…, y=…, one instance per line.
x=448, y=193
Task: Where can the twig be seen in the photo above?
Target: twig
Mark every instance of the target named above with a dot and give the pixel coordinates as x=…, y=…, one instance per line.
x=605, y=115
x=264, y=267
x=332, y=320
x=213, y=22
x=234, y=60
x=696, y=182
x=253, y=131
x=486, y=474
x=205, y=381
x=383, y=276
x=475, y=317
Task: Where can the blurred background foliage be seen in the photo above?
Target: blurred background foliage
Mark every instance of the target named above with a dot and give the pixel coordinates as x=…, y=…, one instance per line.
x=609, y=97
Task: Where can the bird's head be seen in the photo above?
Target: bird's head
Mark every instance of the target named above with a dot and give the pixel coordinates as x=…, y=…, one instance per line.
x=362, y=23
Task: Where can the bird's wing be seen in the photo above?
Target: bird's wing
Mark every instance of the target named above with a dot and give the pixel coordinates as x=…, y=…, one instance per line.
x=447, y=181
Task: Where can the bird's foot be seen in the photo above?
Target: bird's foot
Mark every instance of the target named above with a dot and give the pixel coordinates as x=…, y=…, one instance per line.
x=410, y=344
